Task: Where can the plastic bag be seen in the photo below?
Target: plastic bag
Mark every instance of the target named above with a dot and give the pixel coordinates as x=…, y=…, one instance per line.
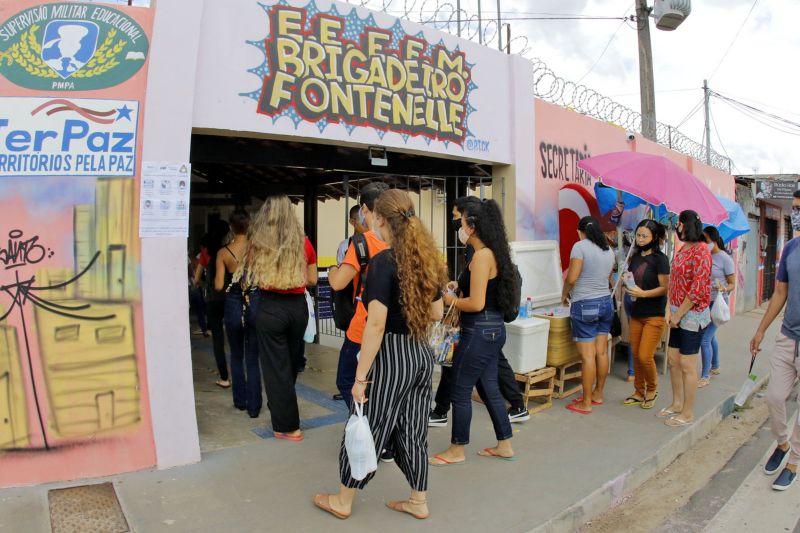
x=359, y=445
x=444, y=337
x=720, y=312
x=748, y=386
x=311, y=326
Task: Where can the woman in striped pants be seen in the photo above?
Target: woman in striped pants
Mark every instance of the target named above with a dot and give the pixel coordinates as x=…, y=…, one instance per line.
x=403, y=299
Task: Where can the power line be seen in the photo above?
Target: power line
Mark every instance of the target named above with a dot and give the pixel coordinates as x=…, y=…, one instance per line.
x=690, y=114
x=596, y=61
x=734, y=40
x=719, y=139
x=761, y=104
x=752, y=109
x=760, y=119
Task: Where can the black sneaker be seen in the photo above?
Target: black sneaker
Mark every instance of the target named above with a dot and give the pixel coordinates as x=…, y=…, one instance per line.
x=518, y=415
x=387, y=456
x=776, y=461
x=435, y=420
x=784, y=480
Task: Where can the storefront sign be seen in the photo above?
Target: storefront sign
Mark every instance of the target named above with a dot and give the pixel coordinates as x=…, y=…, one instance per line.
x=775, y=189
x=71, y=47
x=67, y=137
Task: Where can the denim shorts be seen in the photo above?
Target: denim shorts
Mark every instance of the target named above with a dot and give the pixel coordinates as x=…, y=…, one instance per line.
x=591, y=318
x=687, y=342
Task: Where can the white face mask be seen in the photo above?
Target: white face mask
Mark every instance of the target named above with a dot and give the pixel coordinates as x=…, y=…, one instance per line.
x=376, y=230
x=462, y=236
x=711, y=247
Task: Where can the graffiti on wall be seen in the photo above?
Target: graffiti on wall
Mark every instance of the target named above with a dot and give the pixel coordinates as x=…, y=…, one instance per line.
x=323, y=67
x=73, y=390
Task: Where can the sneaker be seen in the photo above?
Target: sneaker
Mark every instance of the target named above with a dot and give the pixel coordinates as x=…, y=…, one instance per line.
x=435, y=420
x=776, y=461
x=784, y=480
x=387, y=456
x=518, y=415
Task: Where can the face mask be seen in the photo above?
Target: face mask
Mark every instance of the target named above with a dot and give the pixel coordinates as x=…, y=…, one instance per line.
x=455, y=224
x=376, y=231
x=462, y=236
x=711, y=247
x=361, y=219
x=796, y=220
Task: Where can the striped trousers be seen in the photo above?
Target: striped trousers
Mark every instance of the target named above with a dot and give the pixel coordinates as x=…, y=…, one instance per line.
x=399, y=401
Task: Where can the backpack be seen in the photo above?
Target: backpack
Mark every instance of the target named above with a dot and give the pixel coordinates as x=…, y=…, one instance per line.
x=344, y=301
x=512, y=314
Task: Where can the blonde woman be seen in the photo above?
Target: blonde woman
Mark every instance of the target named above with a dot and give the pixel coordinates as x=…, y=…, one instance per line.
x=281, y=262
x=403, y=299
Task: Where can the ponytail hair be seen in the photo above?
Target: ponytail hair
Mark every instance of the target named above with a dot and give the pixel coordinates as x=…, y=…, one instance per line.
x=713, y=234
x=590, y=227
x=421, y=272
x=692, y=227
x=487, y=219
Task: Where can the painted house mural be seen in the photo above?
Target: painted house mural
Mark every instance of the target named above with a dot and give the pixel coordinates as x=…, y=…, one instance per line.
x=73, y=391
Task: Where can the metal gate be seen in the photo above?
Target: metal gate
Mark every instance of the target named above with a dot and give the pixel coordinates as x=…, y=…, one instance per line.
x=434, y=197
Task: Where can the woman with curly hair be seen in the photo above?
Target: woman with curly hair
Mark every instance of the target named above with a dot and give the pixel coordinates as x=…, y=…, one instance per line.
x=403, y=299
x=486, y=288
x=281, y=261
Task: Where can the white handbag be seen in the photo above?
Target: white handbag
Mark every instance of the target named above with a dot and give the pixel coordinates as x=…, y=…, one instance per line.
x=720, y=312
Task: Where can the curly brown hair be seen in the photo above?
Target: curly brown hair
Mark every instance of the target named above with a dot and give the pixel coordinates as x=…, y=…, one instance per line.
x=421, y=272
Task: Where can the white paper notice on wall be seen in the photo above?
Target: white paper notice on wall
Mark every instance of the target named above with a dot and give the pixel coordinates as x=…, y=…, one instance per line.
x=164, y=199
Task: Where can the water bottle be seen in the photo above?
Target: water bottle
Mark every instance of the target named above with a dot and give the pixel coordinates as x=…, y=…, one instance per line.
x=529, y=307
x=523, y=309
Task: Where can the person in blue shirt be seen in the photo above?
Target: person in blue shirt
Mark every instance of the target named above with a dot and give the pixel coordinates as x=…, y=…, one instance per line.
x=784, y=363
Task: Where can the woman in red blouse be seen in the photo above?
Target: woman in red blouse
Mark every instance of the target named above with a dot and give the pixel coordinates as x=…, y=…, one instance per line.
x=281, y=261
x=689, y=299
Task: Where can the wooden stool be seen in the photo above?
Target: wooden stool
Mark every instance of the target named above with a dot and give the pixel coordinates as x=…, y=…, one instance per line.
x=568, y=379
x=538, y=387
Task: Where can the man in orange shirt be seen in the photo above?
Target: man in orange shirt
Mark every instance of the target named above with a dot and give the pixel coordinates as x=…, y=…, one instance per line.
x=340, y=276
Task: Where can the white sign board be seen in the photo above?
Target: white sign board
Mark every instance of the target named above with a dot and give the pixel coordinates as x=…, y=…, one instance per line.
x=164, y=204
x=50, y=136
x=335, y=72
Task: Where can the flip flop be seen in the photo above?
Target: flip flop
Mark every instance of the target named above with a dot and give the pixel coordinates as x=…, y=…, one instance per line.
x=676, y=422
x=286, y=436
x=225, y=384
x=665, y=413
x=325, y=505
x=572, y=407
x=487, y=452
x=649, y=404
x=400, y=508
x=630, y=400
x=580, y=399
x=444, y=462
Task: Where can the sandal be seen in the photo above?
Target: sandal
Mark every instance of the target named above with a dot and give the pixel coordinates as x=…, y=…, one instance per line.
x=400, y=507
x=444, y=462
x=666, y=413
x=715, y=371
x=575, y=409
x=649, y=403
x=487, y=452
x=224, y=383
x=703, y=382
x=676, y=422
x=580, y=399
x=323, y=501
x=632, y=400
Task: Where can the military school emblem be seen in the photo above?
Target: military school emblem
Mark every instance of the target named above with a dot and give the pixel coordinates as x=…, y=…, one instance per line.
x=71, y=47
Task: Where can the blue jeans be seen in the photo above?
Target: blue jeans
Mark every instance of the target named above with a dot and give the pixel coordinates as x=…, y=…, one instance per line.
x=475, y=364
x=198, y=303
x=709, y=349
x=245, y=368
x=346, y=372
x=591, y=318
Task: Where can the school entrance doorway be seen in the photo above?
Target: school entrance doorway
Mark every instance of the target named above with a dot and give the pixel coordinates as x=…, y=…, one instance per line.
x=323, y=182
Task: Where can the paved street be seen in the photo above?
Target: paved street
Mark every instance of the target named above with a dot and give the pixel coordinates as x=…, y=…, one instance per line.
x=570, y=467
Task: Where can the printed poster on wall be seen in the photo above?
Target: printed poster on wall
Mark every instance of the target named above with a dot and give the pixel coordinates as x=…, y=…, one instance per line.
x=73, y=381
x=164, y=202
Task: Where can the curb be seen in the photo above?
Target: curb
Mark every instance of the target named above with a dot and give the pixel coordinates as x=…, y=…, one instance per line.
x=614, y=491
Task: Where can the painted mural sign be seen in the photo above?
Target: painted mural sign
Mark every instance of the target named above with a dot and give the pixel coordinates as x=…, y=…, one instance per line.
x=71, y=47
x=326, y=68
x=67, y=137
x=73, y=388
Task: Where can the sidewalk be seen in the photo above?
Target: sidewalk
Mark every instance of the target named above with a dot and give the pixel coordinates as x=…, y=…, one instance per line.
x=570, y=468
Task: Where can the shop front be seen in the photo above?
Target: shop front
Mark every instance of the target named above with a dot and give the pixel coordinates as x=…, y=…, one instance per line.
x=247, y=99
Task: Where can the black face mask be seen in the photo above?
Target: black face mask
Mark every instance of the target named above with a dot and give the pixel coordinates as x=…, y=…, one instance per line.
x=455, y=224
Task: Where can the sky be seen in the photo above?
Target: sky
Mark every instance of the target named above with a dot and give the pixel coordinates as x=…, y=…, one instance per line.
x=758, y=67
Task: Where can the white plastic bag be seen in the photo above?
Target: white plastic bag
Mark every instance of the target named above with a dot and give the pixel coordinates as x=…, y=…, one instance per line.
x=311, y=326
x=720, y=312
x=748, y=387
x=359, y=445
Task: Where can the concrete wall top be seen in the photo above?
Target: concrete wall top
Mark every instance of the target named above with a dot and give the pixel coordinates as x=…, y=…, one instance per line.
x=331, y=72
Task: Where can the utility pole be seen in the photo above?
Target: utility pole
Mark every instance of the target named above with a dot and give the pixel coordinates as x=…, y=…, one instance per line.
x=458, y=17
x=646, y=83
x=499, y=28
x=480, y=24
x=706, y=99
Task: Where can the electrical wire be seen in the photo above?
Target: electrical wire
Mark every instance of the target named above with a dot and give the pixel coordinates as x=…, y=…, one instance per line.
x=755, y=116
x=719, y=138
x=733, y=96
x=734, y=39
x=596, y=61
x=690, y=114
x=784, y=122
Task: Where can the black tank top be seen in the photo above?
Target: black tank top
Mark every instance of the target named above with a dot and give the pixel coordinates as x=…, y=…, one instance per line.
x=491, y=290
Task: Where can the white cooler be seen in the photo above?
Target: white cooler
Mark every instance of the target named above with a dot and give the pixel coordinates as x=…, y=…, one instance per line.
x=526, y=344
